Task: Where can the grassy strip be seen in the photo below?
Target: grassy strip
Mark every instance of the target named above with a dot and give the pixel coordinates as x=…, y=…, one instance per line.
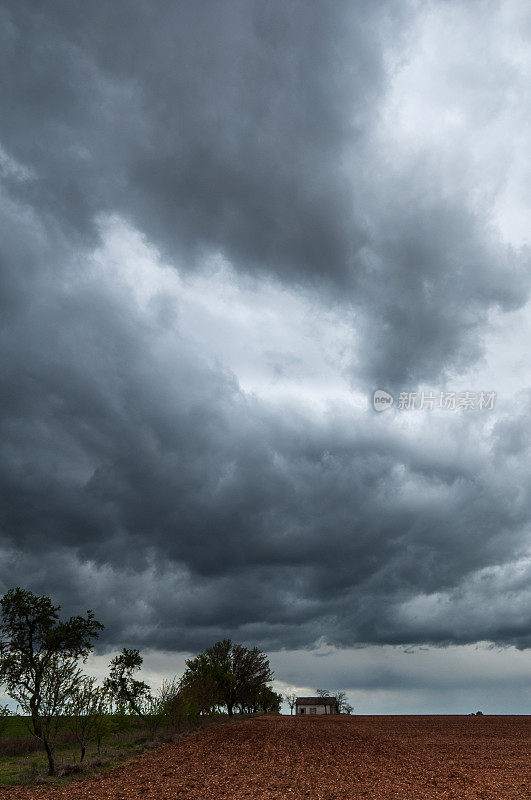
x=29, y=765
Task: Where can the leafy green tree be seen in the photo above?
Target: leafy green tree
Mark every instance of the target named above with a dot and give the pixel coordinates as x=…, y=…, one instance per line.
x=125, y=690
x=244, y=671
x=226, y=674
x=270, y=701
x=38, y=659
x=202, y=686
x=265, y=700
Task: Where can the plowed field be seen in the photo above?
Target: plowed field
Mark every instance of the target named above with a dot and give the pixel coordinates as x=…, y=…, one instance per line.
x=324, y=758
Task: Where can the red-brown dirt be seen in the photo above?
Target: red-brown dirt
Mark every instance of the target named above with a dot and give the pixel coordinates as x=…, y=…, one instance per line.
x=410, y=758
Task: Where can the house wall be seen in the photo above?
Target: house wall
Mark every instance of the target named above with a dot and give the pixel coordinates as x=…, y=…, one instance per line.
x=315, y=710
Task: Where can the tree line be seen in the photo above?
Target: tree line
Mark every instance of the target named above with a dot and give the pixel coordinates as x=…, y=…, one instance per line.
x=41, y=669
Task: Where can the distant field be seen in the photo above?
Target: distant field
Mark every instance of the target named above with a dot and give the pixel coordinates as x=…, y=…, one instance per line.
x=325, y=758
x=13, y=727
x=17, y=728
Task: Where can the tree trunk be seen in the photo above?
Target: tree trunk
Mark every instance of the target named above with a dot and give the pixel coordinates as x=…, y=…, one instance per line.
x=83, y=751
x=35, y=720
x=50, y=756
x=229, y=709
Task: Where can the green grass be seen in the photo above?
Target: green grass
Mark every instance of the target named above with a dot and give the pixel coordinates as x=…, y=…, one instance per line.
x=22, y=757
x=17, y=727
x=24, y=760
x=26, y=769
x=13, y=728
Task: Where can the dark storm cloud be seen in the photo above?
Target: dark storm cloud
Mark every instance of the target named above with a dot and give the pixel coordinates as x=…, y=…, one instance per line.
x=148, y=484
x=214, y=126
x=248, y=128
x=443, y=270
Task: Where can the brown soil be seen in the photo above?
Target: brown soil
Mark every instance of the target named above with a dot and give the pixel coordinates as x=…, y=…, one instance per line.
x=410, y=758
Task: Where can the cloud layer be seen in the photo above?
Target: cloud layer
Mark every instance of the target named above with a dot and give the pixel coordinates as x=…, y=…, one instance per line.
x=220, y=229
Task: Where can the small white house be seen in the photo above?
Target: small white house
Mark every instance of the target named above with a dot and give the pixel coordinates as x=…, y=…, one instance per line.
x=316, y=705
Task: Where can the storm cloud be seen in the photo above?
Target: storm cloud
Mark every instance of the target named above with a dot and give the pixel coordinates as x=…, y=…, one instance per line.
x=222, y=226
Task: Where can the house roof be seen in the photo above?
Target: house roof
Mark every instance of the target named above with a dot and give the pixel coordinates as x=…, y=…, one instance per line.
x=316, y=701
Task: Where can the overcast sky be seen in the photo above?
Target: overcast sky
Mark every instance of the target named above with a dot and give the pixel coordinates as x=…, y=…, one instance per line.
x=223, y=225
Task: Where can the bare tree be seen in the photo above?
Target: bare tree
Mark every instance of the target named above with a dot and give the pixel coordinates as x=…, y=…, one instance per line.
x=341, y=698
x=168, y=699
x=86, y=708
x=169, y=690
x=59, y=680
x=343, y=706
x=291, y=699
x=154, y=713
x=323, y=693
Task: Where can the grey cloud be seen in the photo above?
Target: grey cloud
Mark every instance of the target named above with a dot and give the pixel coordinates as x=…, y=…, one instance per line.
x=217, y=128
x=232, y=129
x=388, y=680
x=140, y=480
